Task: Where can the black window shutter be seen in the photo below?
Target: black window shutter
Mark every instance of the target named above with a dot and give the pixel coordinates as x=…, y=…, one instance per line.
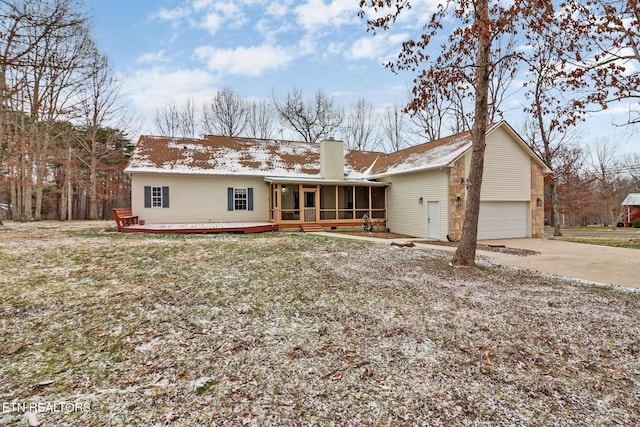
x=165, y=197
x=230, y=198
x=250, y=199
x=147, y=196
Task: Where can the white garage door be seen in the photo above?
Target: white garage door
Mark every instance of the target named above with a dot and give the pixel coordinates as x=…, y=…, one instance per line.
x=503, y=220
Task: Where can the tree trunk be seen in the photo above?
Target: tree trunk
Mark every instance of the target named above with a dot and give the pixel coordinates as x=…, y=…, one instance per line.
x=13, y=185
x=25, y=187
x=93, y=186
x=41, y=169
x=466, y=252
x=555, y=211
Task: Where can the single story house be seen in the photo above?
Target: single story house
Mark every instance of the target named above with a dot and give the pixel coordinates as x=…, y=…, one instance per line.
x=630, y=209
x=419, y=191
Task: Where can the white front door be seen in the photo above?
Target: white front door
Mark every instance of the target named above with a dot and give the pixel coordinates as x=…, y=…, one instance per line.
x=433, y=220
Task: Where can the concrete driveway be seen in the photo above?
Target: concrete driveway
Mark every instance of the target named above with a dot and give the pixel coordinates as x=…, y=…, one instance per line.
x=594, y=263
x=603, y=264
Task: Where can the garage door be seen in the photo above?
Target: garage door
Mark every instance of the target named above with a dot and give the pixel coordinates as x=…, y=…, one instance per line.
x=503, y=220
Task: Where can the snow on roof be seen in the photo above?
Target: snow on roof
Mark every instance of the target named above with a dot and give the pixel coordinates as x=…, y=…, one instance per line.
x=214, y=155
x=632, y=199
x=427, y=156
x=218, y=155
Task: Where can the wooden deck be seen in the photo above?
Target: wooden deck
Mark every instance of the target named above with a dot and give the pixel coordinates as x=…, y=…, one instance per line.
x=202, y=228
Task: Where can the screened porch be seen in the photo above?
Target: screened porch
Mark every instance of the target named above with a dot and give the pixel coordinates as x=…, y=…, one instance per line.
x=340, y=204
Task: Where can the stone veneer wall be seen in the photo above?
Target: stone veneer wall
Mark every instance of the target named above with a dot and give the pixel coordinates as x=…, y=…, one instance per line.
x=537, y=192
x=457, y=188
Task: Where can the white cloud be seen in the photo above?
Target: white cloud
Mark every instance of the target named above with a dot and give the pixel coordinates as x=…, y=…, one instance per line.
x=158, y=56
x=201, y=4
x=363, y=48
x=315, y=14
x=165, y=14
x=221, y=13
x=278, y=9
x=378, y=47
x=228, y=9
x=212, y=22
x=249, y=61
x=150, y=89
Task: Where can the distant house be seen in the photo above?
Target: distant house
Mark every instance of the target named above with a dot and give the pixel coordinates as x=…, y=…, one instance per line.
x=630, y=209
x=420, y=191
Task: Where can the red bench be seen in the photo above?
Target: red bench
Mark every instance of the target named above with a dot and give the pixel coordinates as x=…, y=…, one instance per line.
x=124, y=218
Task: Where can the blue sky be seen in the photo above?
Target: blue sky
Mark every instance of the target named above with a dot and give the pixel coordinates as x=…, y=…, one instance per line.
x=177, y=49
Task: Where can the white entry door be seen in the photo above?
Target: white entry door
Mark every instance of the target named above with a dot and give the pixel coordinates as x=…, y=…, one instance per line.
x=433, y=220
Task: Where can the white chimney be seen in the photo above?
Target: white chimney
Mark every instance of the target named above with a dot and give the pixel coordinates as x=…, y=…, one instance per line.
x=332, y=159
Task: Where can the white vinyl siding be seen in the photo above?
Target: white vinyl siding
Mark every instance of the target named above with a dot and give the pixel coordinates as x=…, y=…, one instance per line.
x=507, y=169
x=199, y=198
x=503, y=220
x=405, y=214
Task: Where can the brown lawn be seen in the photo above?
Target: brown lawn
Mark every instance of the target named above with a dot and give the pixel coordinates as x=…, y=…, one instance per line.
x=292, y=329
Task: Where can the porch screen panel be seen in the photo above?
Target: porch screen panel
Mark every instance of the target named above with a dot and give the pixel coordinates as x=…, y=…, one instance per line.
x=328, y=202
x=290, y=202
x=345, y=202
x=362, y=202
x=377, y=202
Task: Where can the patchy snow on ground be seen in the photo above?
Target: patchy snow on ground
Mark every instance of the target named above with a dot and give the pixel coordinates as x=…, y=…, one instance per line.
x=293, y=329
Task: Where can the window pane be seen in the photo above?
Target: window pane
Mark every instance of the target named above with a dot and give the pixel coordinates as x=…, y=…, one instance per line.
x=240, y=199
x=345, y=197
x=156, y=197
x=345, y=214
x=290, y=198
x=327, y=197
x=327, y=214
x=362, y=197
x=377, y=197
x=290, y=202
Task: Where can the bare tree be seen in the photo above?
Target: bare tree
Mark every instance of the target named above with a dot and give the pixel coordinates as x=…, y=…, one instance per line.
x=45, y=47
x=188, y=121
x=549, y=143
x=453, y=109
x=100, y=107
x=631, y=165
x=260, y=120
x=430, y=119
x=313, y=119
x=542, y=131
x=606, y=167
x=168, y=121
x=575, y=185
x=226, y=114
x=394, y=127
x=173, y=120
x=360, y=128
